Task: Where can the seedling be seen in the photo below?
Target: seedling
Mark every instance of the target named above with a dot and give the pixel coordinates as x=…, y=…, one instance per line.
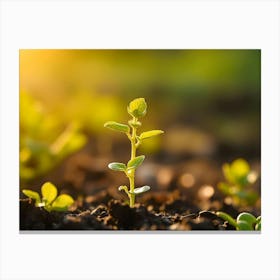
x=136, y=109
x=50, y=201
x=239, y=179
x=244, y=221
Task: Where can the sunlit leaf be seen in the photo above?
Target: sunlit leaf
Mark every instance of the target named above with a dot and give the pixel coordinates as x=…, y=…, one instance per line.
x=137, y=107
x=117, y=126
x=33, y=195
x=117, y=166
x=141, y=189
x=151, y=133
x=134, y=163
x=240, y=168
x=62, y=203
x=49, y=192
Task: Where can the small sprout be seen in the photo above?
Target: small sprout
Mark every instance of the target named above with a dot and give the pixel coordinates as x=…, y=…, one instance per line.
x=244, y=221
x=50, y=201
x=137, y=108
x=239, y=178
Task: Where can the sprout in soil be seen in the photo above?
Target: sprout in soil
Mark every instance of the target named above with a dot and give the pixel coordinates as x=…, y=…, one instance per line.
x=50, y=201
x=239, y=180
x=137, y=109
x=244, y=221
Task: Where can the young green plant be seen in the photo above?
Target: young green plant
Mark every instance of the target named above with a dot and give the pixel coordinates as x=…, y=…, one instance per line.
x=50, y=201
x=244, y=221
x=137, y=109
x=239, y=180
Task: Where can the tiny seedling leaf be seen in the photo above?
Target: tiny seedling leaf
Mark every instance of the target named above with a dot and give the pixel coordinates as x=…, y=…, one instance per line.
x=33, y=195
x=117, y=126
x=117, y=166
x=246, y=217
x=141, y=189
x=151, y=133
x=62, y=203
x=240, y=168
x=242, y=225
x=137, y=107
x=49, y=192
x=134, y=163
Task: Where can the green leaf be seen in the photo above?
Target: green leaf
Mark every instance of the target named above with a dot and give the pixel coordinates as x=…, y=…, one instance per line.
x=117, y=166
x=141, y=189
x=137, y=107
x=240, y=168
x=242, y=225
x=246, y=217
x=33, y=195
x=117, y=126
x=258, y=225
x=49, y=192
x=134, y=163
x=151, y=133
x=62, y=203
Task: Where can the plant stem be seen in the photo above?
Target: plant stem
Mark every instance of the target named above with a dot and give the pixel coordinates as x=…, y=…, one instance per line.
x=132, y=174
x=227, y=217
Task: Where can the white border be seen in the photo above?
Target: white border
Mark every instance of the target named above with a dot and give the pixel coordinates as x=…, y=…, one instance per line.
x=145, y=24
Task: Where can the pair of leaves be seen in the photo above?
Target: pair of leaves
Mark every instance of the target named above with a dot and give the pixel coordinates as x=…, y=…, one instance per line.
x=125, y=129
x=247, y=221
x=132, y=164
x=50, y=201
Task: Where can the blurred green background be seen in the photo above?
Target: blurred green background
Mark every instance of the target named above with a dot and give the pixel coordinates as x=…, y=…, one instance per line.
x=206, y=101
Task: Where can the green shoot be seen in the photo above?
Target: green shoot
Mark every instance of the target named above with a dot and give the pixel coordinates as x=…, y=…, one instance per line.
x=244, y=221
x=137, y=108
x=239, y=179
x=50, y=201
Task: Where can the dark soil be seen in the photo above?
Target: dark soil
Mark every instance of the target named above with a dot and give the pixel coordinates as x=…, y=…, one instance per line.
x=115, y=215
x=179, y=199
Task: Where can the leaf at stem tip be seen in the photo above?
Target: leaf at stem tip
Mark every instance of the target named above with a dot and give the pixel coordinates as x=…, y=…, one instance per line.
x=151, y=133
x=117, y=126
x=134, y=163
x=137, y=107
x=141, y=189
x=49, y=192
x=62, y=203
x=33, y=195
x=117, y=166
